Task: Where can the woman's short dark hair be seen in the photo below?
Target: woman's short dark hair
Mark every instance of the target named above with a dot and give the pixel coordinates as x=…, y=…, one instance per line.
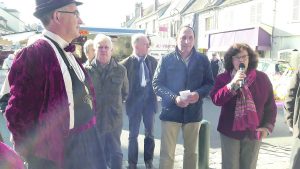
x=234, y=50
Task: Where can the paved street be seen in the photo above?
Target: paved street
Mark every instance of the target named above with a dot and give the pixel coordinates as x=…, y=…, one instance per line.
x=274, y=152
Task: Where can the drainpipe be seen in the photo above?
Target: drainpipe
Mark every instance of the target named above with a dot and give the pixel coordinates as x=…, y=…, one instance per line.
x=273, y=29
x=196, y=29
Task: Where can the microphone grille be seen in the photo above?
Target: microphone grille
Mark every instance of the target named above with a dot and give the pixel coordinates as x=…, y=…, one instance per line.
x=242, y=65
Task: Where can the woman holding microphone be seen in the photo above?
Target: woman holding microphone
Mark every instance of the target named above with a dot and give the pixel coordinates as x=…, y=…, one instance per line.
x=248, y=110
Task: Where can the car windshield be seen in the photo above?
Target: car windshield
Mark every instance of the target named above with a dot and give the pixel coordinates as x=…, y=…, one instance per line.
x=279, y=73
x=272, y=67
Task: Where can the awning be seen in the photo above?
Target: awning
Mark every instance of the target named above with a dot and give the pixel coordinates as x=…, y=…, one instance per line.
x=112, y=31
x=257, y=38
x=5, y=42
x=17, y=37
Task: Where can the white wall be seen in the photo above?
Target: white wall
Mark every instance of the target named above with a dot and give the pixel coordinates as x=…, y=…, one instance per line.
x=287, y=33
x=246, y=14
x=12, y=21
x=149, y=22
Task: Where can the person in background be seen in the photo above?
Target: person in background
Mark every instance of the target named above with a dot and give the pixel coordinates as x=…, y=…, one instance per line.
x=5, y=87
x=89, y=51
x=182, y=79
x=248, y=110
x=111, y=85
x=292, y=115
x=141, y=102
x=4, y=94
x=4, y=97
x=51, y=111
x=216, y=65
x=8, y=61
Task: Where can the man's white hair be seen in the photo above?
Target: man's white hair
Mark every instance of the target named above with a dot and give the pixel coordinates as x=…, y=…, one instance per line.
x=136, y=37
x=86, y=46
x=102, y=38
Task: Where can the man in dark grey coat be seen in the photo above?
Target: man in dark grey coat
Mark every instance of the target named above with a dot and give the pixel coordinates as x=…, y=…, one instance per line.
x=292, y=115
x=141, y=102
x=111, y=86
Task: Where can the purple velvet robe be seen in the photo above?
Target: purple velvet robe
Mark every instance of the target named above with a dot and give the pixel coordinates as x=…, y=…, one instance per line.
x=38, y=109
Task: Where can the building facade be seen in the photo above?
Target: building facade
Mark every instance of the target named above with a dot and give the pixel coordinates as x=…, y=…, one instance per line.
x=268, y=26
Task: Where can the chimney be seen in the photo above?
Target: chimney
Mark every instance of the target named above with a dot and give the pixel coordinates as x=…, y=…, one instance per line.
x=141, y=10
x=138, y=10
x=127, y=18
x=156, y=3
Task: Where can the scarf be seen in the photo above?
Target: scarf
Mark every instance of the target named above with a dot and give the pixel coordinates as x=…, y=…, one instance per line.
x=245, y=115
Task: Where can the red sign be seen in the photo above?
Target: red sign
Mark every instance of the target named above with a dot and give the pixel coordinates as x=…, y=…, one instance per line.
x=163, y=29
x=83, y=32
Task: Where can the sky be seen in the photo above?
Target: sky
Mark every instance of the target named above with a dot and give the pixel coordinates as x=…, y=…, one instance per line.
x=100, y=13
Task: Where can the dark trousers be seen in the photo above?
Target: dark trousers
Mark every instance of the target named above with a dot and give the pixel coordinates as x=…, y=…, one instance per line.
x=134, y=127
x=84, y=151
x=38, y=163
x=112, y=148
x=295, y=154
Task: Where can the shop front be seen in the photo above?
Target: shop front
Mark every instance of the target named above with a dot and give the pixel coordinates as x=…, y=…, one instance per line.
x=256, y=37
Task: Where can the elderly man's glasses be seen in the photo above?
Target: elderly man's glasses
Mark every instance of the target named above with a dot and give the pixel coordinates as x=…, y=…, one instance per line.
x=76, y=13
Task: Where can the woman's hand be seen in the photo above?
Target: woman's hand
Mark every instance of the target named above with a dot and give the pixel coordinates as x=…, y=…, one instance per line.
x=264, y=132
x=238, y=76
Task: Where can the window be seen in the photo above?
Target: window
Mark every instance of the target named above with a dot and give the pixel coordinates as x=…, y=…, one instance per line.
x=174, y=28
x=209, y=23
x=255, y=13
x=154, y=26
x=163, y=30
x=259, y=12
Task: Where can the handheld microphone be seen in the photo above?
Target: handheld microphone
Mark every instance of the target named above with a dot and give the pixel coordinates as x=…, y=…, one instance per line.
x=242, y=68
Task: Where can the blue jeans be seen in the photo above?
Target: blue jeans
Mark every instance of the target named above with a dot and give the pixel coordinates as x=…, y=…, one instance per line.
x=134, y=126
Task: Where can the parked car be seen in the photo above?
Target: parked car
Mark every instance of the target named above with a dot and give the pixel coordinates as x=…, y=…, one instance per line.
x=279, y=72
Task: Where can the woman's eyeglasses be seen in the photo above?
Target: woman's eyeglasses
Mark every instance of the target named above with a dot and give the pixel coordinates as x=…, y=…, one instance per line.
x=244, y=57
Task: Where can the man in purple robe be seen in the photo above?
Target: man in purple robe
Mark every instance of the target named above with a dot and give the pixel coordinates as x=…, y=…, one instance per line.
x=51, y=109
